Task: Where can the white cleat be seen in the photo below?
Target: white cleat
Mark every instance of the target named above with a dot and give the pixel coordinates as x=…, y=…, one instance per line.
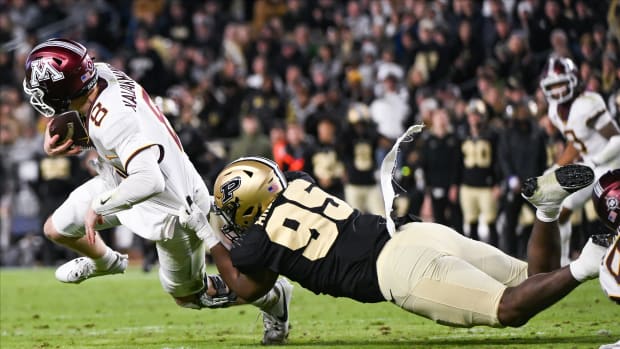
x=82, y=268
x=277, y=327
x=552, y=188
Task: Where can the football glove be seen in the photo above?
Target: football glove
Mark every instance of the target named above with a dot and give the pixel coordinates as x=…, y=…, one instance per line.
x=191, y=217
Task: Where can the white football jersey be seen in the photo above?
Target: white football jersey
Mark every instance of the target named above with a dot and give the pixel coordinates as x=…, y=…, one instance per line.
x=588, y=114
x=609, y=275
x=123, y=121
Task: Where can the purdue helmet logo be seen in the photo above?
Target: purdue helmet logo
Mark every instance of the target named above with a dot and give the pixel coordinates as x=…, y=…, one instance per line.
x=229, y=188
x=42, y=69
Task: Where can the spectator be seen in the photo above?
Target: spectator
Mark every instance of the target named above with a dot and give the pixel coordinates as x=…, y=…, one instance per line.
x=359, y=146
x=266, y=104
x=325, y=158
x=252, y=141
x=469, y=52
x=522, y=154
x=389, y=113
x=439, y=161
x=297, y=149
x=542, y=23
x=146, y=66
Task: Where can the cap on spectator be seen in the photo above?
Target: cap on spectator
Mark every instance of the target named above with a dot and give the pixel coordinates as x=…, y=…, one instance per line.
x=476, y=106
x=514, y=83
x=427, y=24
x=369, y=48
x=428, y=104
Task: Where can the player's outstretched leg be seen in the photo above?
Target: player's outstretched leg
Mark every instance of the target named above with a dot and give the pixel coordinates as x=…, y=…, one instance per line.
x=82, y=268
x=275, y=319
x=546, y=193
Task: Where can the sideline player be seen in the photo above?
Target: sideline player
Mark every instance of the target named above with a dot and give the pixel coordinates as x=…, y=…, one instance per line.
x=285, y=224
x=144, y=177
x=588, y=127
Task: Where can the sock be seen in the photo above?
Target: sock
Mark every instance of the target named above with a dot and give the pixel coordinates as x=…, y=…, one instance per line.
x=548, y=214
x=587, y=265
x=269, y=301
x=566, y=230
x=105, y=262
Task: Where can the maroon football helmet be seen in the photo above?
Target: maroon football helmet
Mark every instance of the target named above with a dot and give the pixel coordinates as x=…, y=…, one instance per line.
x=560, y=79
x=606, y=199
x=57, y=71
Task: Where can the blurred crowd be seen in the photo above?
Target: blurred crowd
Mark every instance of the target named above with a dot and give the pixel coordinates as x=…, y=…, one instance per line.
x=323, y=86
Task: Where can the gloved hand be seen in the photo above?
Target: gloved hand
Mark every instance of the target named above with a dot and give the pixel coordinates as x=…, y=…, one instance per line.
x=223, y=297
x=192, y=217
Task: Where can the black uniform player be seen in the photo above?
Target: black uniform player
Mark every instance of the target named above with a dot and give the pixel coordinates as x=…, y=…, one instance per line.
x=291, y=226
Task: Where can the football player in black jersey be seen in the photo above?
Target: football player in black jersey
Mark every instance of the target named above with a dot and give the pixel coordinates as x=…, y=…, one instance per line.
x=285, y=224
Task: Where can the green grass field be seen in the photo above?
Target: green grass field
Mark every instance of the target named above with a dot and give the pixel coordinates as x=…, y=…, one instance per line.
x=132, y=311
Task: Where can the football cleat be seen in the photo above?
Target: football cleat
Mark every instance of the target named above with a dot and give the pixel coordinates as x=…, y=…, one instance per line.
x=82, y=268
x=277, y=327
x=552, y=188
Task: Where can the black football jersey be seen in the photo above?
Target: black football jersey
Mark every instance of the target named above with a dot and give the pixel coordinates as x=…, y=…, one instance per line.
x=317, y=240
x=478, y=167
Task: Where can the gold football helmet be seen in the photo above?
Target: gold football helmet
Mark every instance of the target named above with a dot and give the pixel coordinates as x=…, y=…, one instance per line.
x=243, y=190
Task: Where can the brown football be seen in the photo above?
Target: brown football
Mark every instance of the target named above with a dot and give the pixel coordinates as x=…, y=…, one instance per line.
x=69, y=125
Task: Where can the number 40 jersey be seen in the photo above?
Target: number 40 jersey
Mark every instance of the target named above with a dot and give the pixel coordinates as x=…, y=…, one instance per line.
x=317, y=240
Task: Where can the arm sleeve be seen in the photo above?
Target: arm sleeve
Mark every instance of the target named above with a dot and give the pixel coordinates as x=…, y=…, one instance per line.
x=611, y=151
x=144, y=181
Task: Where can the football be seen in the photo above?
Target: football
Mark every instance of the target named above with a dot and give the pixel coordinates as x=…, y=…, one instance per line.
x=69, y=125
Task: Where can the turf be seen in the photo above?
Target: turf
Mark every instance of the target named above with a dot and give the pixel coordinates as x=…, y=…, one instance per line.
x=132, y=311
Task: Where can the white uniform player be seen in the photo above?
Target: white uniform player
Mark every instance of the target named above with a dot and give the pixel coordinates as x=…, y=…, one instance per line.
x=144, y=178
x=588, y=127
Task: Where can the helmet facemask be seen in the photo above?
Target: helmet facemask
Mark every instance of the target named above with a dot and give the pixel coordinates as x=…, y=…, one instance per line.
x=560, y=88
x=39, y=103
x=230, y=229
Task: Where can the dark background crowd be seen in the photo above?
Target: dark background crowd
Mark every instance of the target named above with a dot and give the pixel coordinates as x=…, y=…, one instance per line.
x=326, y=87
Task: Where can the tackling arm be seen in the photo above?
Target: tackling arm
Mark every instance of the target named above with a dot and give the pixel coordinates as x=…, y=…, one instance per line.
x=247, y=287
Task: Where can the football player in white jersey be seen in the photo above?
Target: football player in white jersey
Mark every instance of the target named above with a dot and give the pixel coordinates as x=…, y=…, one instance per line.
x=144, y=176
x=588, y=127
